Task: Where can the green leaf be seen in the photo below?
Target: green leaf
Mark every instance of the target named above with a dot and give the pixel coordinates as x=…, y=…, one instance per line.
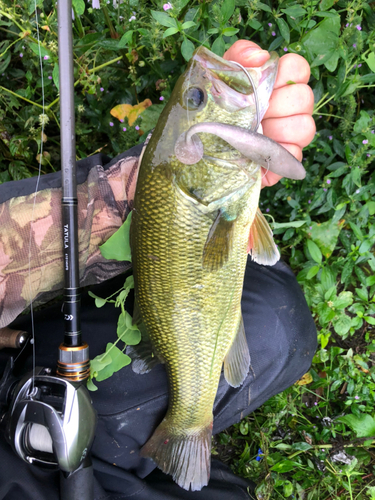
x=285, y=466
x=301, y=446
x=230, y=31
x=90, y=385
x=330, y=293
x=126, y=331
x=284, y=29
x=366, y=245
x=314, y=250
x=275, y=44
x=55, y=76
x=169, y=32
x=370, y=320
x=164, y=19
x=347, y=271
x=117, y=247
x=125, y=39
x=313, y=271
x=326, y=4
x=363, y=424
x=345, y=299
x=370, y=60
x=43, y=51
x=362, y=123
x=326, y=313
x=294, y=11
x=327, y=278
x=342, y=324
x=118, y=361
x=356, y=231
x=325, y=235
x=288, y=489
x=132, y=337
x=99, y=301
x=218, y=47
x=79, y=7
x=188, y=24
x=227, y=10
x=256, y=25
x=323, y=58
x=150, y=116
x=187, y=49
x=362, y=294
x=332, y=62
x=5, y=62
x=99, y=363
x=371, y=207
x=264, y=7
x=285, y=225
x=213, y=31
x=324, y=38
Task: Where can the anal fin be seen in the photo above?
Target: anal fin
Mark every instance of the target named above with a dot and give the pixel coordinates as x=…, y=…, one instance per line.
x=218, y=244
x=262, y=247
x=237, y=361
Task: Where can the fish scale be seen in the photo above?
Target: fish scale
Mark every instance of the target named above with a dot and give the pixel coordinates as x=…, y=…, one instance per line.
x=189, y=235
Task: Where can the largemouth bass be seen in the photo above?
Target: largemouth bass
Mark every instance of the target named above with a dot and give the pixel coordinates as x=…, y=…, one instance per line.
x=196, y=199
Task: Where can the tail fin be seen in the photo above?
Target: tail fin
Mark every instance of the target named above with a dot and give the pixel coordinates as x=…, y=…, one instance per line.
x=186, y=455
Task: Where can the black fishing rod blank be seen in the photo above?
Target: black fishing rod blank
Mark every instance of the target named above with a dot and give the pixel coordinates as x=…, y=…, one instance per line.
x=74, y=363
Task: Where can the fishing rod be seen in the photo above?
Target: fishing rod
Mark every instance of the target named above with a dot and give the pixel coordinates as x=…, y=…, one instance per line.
x=51, y=421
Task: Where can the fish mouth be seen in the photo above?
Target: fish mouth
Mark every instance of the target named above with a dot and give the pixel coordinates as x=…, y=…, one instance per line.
x=223, y=73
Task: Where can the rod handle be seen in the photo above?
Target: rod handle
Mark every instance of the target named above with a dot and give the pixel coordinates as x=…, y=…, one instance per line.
x=78, y=485
x=13, y=339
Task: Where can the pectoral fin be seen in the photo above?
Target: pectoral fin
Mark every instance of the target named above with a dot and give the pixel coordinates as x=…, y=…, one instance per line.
x=218, y=244
x=237, y=361
x=262, y=247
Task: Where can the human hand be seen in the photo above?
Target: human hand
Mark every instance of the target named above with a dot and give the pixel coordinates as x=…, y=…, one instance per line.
x=288, y=119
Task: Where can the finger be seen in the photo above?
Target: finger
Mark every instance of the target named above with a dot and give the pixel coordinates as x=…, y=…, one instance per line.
x=290, y=100
x=269, y=178
x=249, y=54
x=294, y=68
x=293, y=149
x=297, y=129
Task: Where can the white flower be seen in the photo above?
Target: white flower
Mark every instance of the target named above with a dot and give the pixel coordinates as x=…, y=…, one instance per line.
x=96, y=4
x=43, y=119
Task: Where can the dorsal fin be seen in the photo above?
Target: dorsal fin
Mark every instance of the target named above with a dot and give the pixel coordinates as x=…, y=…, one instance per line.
x=262, y=247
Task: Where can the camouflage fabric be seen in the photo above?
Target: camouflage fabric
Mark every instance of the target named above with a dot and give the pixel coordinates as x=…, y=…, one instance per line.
x=31, y=258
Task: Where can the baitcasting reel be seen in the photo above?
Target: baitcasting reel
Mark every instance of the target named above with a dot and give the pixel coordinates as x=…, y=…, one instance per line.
x=51, y=421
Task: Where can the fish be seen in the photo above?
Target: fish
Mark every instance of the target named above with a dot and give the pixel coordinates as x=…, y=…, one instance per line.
x=196, y=202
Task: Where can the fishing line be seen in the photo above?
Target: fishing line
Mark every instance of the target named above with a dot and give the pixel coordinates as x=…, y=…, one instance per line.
x=36, y=191
x=255, y=94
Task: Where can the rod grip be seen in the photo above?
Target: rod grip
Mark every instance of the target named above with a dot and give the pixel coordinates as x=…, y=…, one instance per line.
x=79, y=485
x=13, y=339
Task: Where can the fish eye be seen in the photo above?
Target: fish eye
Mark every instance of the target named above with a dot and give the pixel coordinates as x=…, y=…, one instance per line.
x=194, y=97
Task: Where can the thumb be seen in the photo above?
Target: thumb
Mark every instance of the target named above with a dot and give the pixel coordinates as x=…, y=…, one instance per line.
x=247, y=53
